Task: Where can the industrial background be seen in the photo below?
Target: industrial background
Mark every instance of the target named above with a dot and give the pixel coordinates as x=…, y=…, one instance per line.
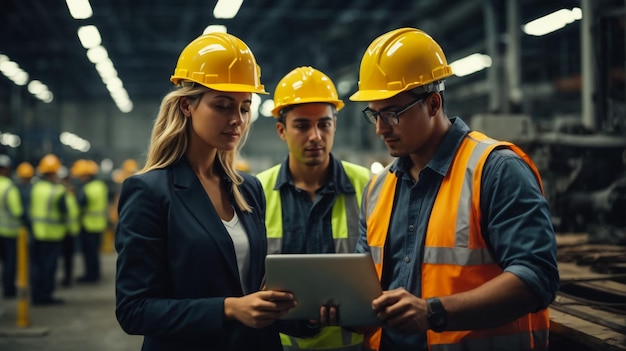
x=560, y=96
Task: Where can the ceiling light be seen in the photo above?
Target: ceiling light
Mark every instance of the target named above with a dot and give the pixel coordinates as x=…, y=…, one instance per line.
x=470, y=64
x=552, y=22
x=79, y=9
x=16, y=74
x=215, y=28
x=89, y=36
x=35, y=87
x=227, y=8
x=266, y=108
x=97, y=54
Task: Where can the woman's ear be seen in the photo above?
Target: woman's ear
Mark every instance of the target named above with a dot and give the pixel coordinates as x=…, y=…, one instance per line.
x=185, y=107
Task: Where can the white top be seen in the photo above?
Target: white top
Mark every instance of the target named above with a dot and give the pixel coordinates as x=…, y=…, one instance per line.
x=242, y=248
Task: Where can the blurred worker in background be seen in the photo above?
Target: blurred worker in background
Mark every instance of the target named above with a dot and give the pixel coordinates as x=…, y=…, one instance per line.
x=312, y=197
x=93, y=200
x=191, y=234
x=68, y=249
x=25, y=173
x=11, y=214
x=457, y=225
x=129, y=167
x=48, y=214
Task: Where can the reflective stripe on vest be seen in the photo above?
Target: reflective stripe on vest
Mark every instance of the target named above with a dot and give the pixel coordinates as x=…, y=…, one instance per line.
x=456, y=257
x=47, y=220
x=9, y=210
x=345, y=211
x=94, y=217
x=324, y=340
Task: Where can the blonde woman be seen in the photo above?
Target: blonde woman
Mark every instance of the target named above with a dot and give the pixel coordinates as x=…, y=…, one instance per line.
x=191, y=239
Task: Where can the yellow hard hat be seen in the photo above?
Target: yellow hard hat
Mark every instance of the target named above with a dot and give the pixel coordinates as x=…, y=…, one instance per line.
x=304, y=85
x=242, y=165
x=25, y=170
x=79, y=168
x=398, y=61
x=92, y=167
x=219, y=61
x=130, y=165
x=50, y=163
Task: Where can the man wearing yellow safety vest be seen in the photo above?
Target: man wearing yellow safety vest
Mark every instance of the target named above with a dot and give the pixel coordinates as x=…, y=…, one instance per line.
x=25, y=173
x=68, y=249
x=312, y=198
x=11, y=212
x=93, y=201
x=48, y=215
x=457, y=225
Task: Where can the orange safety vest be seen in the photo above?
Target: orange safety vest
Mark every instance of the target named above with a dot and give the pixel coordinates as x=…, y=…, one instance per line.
x=456, y=257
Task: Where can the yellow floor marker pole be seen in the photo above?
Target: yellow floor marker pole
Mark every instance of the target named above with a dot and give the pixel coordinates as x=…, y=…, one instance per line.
x=22, y=279
x=108, y=241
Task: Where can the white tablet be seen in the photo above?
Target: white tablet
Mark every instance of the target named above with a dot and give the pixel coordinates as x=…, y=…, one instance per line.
x=348, y=281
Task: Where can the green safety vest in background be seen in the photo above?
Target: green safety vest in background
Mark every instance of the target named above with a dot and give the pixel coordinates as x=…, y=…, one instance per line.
x=10, y=208
x=94, y=216
x=73, y=214
x=48, y=223
x=345, y=225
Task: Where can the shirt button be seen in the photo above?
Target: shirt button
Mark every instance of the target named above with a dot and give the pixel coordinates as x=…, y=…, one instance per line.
x=411, y=227
x=407, y=259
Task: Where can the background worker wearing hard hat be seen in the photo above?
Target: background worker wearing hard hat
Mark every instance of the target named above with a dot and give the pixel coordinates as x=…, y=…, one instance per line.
x=11, y=213
x=25, y=173
x=68, y=249
x=457, y=225
x=191, y=234
x=48, y=214
x=312, y=198
x=93, y=200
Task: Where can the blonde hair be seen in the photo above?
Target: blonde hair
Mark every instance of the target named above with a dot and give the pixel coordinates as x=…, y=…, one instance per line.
x=170, y=138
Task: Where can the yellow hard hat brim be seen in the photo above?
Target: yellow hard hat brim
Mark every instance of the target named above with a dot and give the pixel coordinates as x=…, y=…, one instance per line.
x=373, y=95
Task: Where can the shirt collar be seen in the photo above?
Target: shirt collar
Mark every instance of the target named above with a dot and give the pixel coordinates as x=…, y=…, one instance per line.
x=339, y=179
x=442, y=158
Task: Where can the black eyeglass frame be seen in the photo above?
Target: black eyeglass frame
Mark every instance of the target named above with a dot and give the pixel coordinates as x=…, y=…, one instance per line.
x=391, y=117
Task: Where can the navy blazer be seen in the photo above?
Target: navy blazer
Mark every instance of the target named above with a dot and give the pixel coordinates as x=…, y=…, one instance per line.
x=176, y=263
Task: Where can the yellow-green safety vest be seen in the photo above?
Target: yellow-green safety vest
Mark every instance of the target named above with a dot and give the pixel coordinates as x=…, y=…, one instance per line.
x=345, y=227
x=48, y=223
x=94, y=216
x=10, y=208
x=73, y=214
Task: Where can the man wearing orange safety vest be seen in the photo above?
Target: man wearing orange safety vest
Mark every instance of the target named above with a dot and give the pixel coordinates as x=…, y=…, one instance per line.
x=457, y=225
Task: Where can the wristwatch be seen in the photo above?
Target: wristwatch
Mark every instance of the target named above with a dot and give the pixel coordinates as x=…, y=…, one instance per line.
x=437, y=316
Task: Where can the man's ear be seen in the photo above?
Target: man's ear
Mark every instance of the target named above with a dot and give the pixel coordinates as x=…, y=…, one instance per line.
x=434, y=103
x=280, y=129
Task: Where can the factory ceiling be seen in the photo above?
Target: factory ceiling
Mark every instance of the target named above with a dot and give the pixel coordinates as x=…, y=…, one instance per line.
x=144, y=37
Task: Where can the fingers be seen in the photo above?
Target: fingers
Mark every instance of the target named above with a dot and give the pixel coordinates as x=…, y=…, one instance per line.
x=329, y=315
x=387, y=298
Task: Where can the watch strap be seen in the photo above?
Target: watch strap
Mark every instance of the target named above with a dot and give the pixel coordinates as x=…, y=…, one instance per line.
x=437, y=315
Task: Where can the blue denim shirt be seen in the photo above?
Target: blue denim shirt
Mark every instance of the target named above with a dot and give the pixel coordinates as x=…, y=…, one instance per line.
x=516, y=225
x=307, y=226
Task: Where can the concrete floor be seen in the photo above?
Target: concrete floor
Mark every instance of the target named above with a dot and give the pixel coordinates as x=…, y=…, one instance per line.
x=85, y=322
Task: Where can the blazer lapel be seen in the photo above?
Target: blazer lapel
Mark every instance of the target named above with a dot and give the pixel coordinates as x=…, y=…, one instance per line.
x=191, y=194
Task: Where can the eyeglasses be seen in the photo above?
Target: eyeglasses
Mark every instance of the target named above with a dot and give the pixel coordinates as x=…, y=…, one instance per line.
x=392, y=118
